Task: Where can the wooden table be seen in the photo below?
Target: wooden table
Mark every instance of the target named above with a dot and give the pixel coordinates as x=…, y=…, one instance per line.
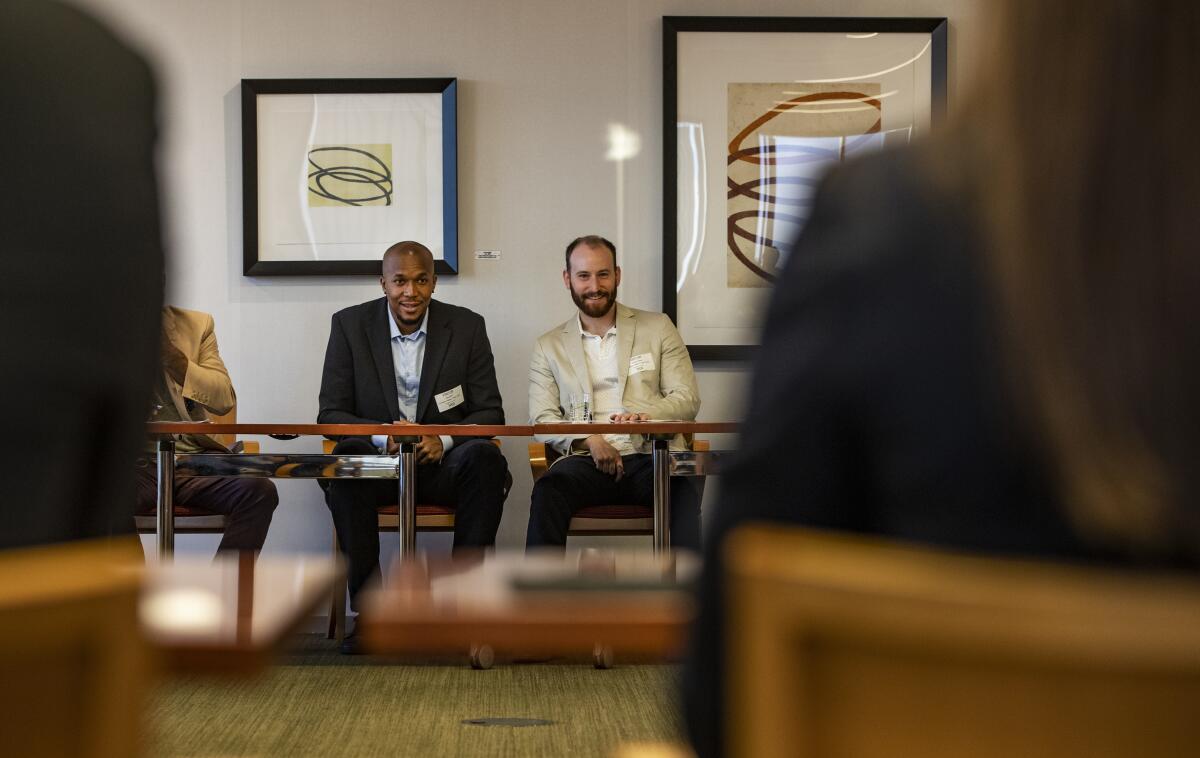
x=230, y=615
x=665, y=464
x=401, y=467
x=631, y=603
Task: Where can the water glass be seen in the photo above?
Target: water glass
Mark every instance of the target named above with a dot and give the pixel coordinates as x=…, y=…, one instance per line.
x=581, y=408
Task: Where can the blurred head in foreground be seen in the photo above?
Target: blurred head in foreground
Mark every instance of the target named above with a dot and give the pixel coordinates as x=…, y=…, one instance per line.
x=1079, y=143
x=987, y=343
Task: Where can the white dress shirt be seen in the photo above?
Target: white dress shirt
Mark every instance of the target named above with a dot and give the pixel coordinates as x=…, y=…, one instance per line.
x=600, y=352
x=408, y=357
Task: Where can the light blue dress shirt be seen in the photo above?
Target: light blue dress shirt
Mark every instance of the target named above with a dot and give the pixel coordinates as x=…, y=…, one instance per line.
x=408, y=357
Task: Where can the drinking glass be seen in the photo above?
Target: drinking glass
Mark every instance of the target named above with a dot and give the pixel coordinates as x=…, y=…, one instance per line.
x=581, y=408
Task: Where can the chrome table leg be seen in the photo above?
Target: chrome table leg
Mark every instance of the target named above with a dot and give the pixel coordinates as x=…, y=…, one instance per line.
x=407, y=501
x=661, y=465
x=166, y=499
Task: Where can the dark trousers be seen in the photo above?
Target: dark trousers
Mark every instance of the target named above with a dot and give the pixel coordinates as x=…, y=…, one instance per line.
x=471, y=478
x=574, y=482
x=247, y=504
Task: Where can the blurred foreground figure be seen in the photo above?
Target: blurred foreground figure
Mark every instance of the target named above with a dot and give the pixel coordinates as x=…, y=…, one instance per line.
x=81, y=270
x=991, y=342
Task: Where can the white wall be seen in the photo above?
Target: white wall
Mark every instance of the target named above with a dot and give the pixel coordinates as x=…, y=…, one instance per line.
x=540, y=82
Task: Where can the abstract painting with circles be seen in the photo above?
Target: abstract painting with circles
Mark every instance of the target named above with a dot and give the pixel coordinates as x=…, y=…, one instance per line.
x=334, y=171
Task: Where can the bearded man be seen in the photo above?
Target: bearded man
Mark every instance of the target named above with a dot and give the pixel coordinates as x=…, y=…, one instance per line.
x=635, y=367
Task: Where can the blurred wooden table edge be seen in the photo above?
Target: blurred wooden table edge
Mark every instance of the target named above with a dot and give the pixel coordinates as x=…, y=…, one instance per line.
x=339, y=430
x=261, y=603
x=642, y=634
x=653, y=750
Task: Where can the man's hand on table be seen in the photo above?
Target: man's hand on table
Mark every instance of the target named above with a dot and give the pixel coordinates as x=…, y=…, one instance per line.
x=393, y=447
x=623, y=417
x=428, y=449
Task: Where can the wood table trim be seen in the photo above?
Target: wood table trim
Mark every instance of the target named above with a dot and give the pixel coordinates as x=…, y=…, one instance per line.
x=158, y=428
x=633, y=628
x=637, y=427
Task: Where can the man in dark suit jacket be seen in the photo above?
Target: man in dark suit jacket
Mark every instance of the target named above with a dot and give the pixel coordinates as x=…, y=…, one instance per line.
x=406, y=358
x=81, y=267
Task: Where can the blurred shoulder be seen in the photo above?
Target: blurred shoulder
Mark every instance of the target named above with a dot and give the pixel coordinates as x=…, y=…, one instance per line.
x=186, y=318
x=909, y=191
x=901, y=209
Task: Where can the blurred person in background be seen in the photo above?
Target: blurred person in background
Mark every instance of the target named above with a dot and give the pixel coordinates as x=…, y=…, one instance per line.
x=990, y=341
x=81, y=272
x=194, y=385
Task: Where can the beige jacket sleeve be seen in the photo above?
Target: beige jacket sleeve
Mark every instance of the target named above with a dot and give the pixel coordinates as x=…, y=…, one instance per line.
x=207, y=381
x=545, y=399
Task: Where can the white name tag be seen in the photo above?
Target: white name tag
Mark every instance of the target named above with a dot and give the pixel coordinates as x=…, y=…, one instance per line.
x=640, y=363
x=449, y=399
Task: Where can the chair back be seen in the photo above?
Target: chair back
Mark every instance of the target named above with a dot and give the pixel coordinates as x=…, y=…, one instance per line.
x=849, y=647
x=73, y=664
x=227, y=440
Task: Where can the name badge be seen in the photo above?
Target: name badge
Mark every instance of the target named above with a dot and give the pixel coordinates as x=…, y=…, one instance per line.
x=449, y=399
x=640, y=363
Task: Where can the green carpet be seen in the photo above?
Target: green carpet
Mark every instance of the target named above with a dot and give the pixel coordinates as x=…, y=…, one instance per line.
x=317, y=703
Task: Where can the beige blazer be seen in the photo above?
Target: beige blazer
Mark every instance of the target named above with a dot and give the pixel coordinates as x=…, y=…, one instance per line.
x=668, y=391
x=207, y=383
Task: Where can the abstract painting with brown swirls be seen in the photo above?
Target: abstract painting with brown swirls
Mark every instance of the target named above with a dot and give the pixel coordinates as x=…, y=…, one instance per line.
x=782, y=138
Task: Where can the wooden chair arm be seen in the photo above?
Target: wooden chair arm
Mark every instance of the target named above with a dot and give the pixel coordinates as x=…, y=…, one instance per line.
x=538, y=459
x=229, y=418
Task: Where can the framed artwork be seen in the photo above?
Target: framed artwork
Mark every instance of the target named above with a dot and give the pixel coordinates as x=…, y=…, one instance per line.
x=335, y=171
x=755, y=111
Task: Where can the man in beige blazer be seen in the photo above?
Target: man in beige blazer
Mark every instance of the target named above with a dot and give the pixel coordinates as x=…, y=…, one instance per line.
x=634, y=366
x=192, y=384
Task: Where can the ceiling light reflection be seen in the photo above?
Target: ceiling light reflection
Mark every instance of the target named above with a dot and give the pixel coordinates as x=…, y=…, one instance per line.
x=623, y=143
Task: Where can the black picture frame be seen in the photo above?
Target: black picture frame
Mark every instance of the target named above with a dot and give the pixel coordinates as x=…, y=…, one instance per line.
x=253, y=89
x=673, y=26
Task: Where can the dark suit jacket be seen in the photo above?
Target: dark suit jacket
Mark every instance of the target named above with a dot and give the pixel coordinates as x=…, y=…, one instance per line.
x=81, y=272
x=358, y=385
x=878, y=401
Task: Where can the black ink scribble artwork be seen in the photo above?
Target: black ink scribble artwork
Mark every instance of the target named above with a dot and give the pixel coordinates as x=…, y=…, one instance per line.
x=354, y=175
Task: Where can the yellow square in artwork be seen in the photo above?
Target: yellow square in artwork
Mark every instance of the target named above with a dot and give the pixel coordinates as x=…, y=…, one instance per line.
x=349, y=175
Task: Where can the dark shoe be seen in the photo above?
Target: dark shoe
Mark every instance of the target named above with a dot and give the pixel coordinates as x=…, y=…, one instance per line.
x=351, y=644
